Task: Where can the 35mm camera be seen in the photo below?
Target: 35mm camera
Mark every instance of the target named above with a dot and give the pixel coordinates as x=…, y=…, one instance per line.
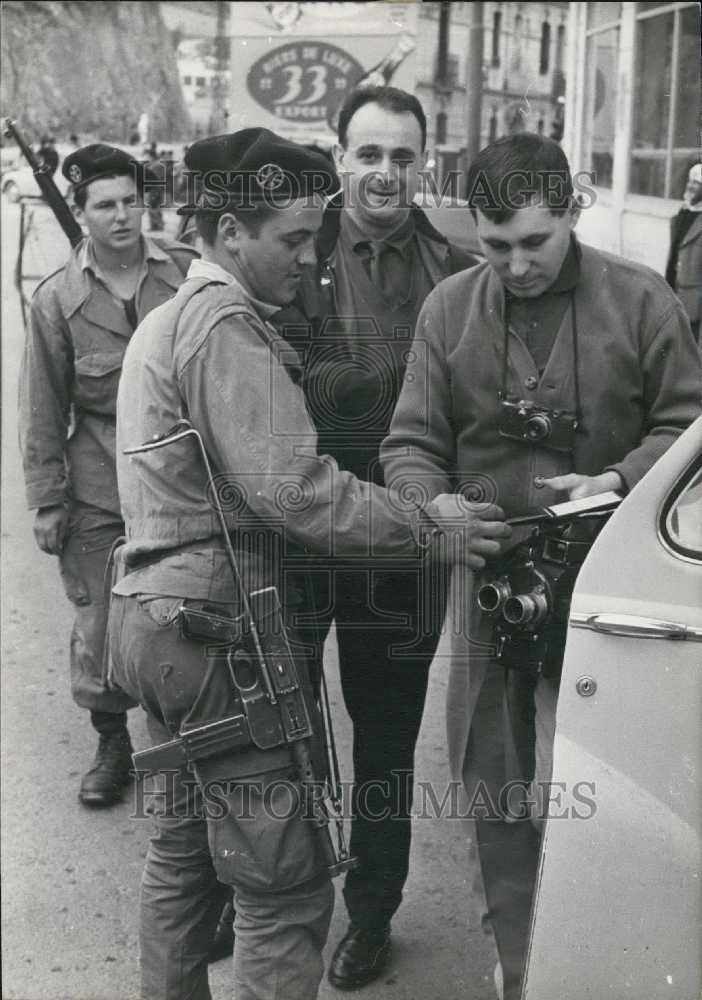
x=529, y=422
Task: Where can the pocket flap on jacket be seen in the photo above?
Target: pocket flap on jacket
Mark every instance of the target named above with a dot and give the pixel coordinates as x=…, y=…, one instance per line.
x=99, y=363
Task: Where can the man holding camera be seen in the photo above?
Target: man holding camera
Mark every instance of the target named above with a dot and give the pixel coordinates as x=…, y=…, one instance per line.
x=555, y=372
x=213, y=354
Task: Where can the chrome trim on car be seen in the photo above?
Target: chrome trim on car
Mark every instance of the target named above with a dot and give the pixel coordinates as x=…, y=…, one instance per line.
x=635, y=626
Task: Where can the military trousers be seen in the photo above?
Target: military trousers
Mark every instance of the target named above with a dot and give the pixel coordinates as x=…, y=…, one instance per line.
x=83, y=563
x=235, y=819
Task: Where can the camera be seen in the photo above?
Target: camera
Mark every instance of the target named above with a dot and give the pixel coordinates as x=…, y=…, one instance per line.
x=529, y=596
x=524, y=420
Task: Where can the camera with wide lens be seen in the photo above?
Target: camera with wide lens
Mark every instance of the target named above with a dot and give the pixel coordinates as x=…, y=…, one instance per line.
x=528, y=596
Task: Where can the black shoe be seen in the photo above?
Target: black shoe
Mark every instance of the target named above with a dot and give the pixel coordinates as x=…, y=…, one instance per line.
x=104, y=783
x=223, y=941
x=360, y=957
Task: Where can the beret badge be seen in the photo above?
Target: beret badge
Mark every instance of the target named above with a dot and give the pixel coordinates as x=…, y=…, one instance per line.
x=270, y=177
x=75, y=174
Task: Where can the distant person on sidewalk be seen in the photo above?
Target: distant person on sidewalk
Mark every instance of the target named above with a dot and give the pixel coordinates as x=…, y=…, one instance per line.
x=154, y=197
x=684, y=270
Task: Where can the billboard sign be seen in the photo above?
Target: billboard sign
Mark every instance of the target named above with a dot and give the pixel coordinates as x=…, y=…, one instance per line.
x=292, y=64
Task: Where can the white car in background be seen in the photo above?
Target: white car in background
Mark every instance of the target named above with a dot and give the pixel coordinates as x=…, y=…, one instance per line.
x=19, y=182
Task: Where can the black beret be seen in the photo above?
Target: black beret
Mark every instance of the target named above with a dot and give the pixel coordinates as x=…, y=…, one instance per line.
x=99, y=160
x=255, y=166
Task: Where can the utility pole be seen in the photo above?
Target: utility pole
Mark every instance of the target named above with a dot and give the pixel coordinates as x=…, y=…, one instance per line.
x=219, y=113
x=442, y=91
x=441, y=80
x=474, y=81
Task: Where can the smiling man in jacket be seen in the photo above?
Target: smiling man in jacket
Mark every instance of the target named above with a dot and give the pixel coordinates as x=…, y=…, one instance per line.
x=378, y=259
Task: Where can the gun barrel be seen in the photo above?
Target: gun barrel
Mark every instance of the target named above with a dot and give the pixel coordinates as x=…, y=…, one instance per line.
x=55, y=200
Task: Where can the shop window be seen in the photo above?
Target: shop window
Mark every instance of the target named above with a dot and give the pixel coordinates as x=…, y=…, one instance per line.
x=599, y=14
x=665, y=113
x=602, y=71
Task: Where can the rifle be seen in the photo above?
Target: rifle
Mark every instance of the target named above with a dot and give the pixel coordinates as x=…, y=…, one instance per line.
x=55, y=200
x=262, y=668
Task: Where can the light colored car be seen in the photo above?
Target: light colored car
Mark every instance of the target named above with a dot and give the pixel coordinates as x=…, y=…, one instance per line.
x=20, y=182
x=618, y=909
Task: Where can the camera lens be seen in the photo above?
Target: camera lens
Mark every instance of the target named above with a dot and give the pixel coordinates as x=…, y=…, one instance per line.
x=526, y=609
x=537, y=427
x=492, y=596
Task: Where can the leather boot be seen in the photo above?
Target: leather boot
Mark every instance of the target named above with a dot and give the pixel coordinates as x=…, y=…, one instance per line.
x=360, y=957
x=104, y=783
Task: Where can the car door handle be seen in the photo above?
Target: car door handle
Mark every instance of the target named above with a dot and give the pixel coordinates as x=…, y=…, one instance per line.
x=635, y=627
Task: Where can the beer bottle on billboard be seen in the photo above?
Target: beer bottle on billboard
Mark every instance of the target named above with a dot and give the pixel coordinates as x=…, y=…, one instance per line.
x=379, y=75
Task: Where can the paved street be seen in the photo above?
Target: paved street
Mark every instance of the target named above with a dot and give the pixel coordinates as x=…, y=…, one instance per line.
x=71, y=876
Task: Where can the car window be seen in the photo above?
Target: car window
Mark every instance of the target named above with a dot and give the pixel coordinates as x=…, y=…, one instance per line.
x=681, y=518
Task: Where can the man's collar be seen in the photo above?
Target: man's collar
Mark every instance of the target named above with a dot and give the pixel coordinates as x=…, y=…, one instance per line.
x=329, y=233
x=569, y=273
x=399, y=238
x=567, y=279
x=217, y=274
x=88, y=260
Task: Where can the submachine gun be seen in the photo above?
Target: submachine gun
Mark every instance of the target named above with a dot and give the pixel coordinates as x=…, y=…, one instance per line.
x=528, y=597
x=262, y=668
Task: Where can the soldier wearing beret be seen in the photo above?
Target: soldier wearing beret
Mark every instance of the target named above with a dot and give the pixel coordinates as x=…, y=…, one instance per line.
x=213, y=354
x=82, y=317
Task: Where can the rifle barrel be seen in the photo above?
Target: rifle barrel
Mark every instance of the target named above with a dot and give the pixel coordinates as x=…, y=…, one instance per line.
x=55, y=200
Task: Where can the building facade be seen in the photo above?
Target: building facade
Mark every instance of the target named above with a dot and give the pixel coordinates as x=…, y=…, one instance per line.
x=204, y=78
x=523, y=65
x=633, y=119
x=524, y=79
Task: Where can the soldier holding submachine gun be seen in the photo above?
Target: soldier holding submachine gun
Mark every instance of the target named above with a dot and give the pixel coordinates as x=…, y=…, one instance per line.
x=207, y=627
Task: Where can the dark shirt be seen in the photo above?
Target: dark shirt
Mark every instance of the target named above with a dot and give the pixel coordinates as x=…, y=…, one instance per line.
x=537, y=321
x=389, y=262
x=130, y=312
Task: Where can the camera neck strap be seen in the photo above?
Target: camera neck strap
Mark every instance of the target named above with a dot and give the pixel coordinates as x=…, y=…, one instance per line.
x=574, y=331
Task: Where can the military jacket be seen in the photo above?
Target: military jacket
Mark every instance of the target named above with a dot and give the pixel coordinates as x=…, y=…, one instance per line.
x=78, y=333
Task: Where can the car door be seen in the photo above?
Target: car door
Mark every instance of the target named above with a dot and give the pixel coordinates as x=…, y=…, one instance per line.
x=618, y=906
